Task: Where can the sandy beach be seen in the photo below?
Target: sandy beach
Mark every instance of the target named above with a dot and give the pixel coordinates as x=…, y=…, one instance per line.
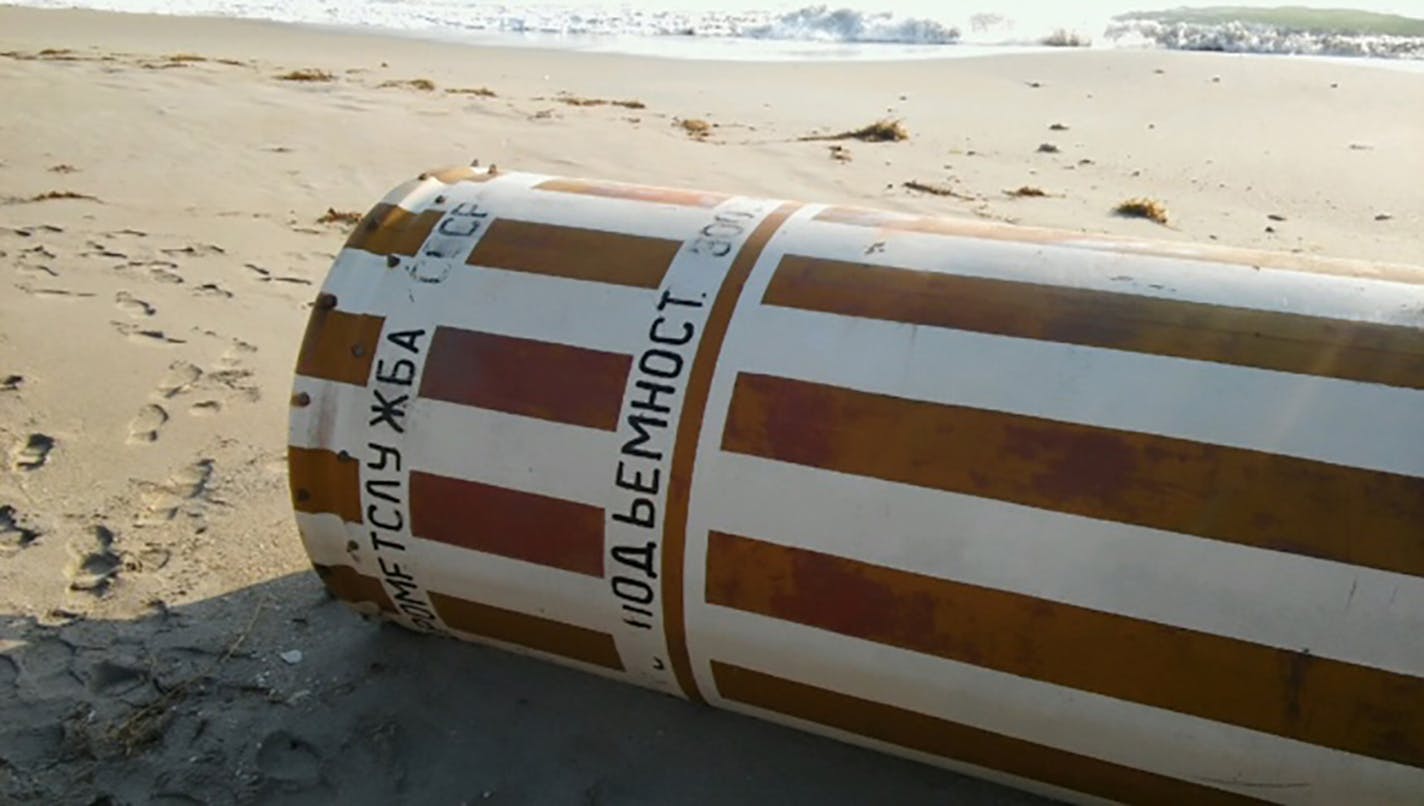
x=171, y=196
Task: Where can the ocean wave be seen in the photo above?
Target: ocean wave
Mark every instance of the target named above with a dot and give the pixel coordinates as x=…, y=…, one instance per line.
x=806, y=30
x=1244, y=37
x=824, y=24
x=810, y=24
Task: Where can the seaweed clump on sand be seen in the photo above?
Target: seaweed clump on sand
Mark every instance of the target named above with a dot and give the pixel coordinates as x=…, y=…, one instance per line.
x=306, y=74
x=335, y=216
x=577, y=100
x=881, y=131
x=60, y=195
x=479, y=92
x=1143, y=207
x=696, y=128
x=936, y=189
x=422, y=84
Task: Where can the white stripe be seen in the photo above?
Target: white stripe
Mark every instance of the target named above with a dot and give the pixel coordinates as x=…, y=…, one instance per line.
x=510, y=584
x=1146, y=738
x=507, y=450
x=476, y=576
x=1358, y=615
x=1343, y=422
x=327, y=421
x=326, y=536
x=596, y=316
x=1117, y=272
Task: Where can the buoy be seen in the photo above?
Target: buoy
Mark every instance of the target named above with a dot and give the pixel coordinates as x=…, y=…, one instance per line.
x=1098, y=517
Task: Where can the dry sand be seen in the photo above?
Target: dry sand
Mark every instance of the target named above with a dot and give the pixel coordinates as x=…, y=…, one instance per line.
x=150, y=574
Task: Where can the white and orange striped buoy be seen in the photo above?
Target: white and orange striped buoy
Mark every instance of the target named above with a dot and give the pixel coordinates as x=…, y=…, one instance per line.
x=1096, y=517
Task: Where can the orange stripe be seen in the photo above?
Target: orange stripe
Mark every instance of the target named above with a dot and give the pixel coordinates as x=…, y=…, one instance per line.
x=350, y=585
x=1280, y=503
x=1325, y=702
x=510, y=523
x=618, y=190
x=689, y=427
x=1254, y=258
x=324, y=482
x=1337, y=348
x=539, y=379
x=534, y=632
x=339, y=346
x=959, y=742
x=575, y=253
x=391, y=230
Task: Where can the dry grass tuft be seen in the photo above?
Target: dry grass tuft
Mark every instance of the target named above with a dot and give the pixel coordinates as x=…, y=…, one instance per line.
x=307, y=74
x=48, y=54
x=482, y=92
x=57, y=195
x=936, y=189
x=1143, y=207
x=576, y=100
x=422, y=84
x=1026, y=192
x=148, y=723
x=885, y=130
x=334, y=216
x=187, y=57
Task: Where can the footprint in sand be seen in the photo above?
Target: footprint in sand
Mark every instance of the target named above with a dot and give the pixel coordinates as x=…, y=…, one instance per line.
x=133, y=306
x=40, y=252
x=146, y=335
x=96, y=565
x=164, y=500
x=266, y=276
x=34, y=453
x=13, y=533
x=145, y=425
x=231, y=373
x=165, y=273
x=212, y=290
x=192, y=481
x=179, y=378
x=196, y=250
x=59, y=293
x=112, y=679
x=205, y=408
x=100, y=249
x=287, y=758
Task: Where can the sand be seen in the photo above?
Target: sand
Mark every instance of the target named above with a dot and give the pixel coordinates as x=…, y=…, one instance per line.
x=163, y=638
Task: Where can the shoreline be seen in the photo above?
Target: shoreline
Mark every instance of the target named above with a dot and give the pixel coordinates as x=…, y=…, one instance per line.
x=676, y=47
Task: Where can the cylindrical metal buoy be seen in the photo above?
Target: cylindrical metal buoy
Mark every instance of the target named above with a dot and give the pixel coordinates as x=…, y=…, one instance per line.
x=1107, y=519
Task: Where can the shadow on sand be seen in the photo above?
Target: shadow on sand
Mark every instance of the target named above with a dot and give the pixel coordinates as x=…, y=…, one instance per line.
x=197, y=704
